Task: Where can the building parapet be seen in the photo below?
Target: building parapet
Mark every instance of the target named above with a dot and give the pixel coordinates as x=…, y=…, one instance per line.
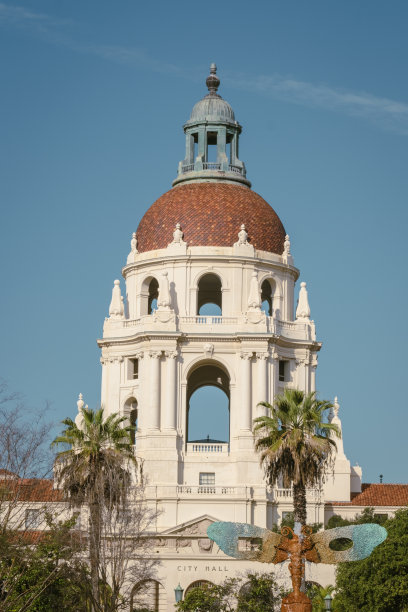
x=292, y=330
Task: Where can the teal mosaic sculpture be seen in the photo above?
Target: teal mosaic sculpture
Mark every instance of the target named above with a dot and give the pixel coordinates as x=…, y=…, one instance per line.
x=244, y=541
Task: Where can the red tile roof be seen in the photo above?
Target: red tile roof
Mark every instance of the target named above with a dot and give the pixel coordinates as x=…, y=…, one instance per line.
x=378, y=495
x=30, y=490
x=211, y=214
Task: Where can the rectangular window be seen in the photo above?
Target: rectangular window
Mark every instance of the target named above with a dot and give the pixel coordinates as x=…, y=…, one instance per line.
x=32, y=518
x=283, y=370
x=207, y=478
x=133, y=369
x=381, y=517
x=124, y=516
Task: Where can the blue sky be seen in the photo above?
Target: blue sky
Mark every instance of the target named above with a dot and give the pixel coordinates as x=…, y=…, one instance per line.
x=94, y=95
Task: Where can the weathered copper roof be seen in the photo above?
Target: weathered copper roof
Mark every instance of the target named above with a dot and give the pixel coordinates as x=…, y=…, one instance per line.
x=378, y=495
x=211, y=214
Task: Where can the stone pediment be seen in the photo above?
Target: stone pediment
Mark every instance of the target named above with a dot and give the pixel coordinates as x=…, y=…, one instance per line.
x=194, y=528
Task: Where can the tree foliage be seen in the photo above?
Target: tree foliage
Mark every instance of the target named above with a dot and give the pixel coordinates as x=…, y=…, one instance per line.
x=42, y=574
x=380, y=582
x=295, y=443
x=95, y=471
x=251, y=593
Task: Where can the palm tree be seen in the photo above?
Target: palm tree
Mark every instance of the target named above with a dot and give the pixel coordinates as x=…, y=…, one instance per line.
x=94, y=470
x=295, y=444
x=317, y=595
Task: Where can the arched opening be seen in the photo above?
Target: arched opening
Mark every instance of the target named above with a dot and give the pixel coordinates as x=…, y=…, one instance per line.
x=153, y=296
x=209, y=297
x=266, y=297
x=196, y=585
x=148, y=295
x=208, y=403
x=270, y=298
x=147, y=595
x=131, y=413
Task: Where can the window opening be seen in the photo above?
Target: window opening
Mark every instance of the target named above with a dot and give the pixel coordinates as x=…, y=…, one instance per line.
x=133, y=423
x=153, y=295
x=283, y=370
x=266, y=297
x=207, y=478
x=197, y=584
x=133, y=371
x=212, y=147
x=208, y=417
x=32, y=518
x=195, y=153
x=210, y=295
x=208, y=414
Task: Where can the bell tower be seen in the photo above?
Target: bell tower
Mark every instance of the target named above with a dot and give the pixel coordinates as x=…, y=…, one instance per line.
x=209, y=240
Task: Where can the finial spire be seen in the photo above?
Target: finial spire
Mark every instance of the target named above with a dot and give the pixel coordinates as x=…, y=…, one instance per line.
x=213, y=82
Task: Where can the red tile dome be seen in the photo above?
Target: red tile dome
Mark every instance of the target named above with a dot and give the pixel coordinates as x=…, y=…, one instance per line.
x=210, y=214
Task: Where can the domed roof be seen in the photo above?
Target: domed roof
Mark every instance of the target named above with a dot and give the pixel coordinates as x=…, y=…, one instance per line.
x=212, y=108
x=210, y=214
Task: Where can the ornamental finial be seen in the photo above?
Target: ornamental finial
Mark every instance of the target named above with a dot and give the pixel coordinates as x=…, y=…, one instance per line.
x=213, y=82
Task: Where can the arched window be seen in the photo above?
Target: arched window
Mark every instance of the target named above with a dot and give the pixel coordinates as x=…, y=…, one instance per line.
x=131, y=413
x=148, y=295
x=147, y=595
x=209, y=298
x=208, y=415
x=153, y=296
x=266, y=297
x=197, y=584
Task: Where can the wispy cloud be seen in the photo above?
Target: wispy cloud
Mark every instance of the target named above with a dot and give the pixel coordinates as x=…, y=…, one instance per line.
x=385, y=113
x=22, y=17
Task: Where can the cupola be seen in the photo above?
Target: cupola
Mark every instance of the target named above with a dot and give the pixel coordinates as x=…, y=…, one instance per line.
x=212, y=139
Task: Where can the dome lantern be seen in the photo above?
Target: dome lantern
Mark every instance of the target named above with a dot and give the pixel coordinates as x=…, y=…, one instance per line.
x=212, y=136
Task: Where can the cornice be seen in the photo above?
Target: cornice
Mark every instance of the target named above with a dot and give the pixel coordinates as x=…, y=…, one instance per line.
x=237, y=337
x=189, y=257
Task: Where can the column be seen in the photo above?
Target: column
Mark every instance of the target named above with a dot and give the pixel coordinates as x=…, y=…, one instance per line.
x=154, y=420
x=142, y=417
x=104, y=383
x=170, y=409
x=275, y=374
x=246, y=421
x=202, y=143
x=113, y=373
x=301, y=374
x=189, y=149
x=234, y=149
x=262, y=387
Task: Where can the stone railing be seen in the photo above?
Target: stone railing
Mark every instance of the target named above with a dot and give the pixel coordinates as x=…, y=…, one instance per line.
x=312, y=495
x=213, y=166
x=293, y=329
x=209, y=320
x=277, y=495
x=207, y=447
x=206, y=490
x=296, y=330
x=236, y=169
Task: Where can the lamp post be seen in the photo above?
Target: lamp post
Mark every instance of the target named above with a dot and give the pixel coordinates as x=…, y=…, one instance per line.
x=328, y=602
x=178, y=593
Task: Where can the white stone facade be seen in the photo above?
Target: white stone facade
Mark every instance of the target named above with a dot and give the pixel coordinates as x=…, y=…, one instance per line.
x=158, y=349
x=243, y=346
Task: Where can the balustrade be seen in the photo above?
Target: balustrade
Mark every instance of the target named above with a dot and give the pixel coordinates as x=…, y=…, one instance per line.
x=194, y=447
